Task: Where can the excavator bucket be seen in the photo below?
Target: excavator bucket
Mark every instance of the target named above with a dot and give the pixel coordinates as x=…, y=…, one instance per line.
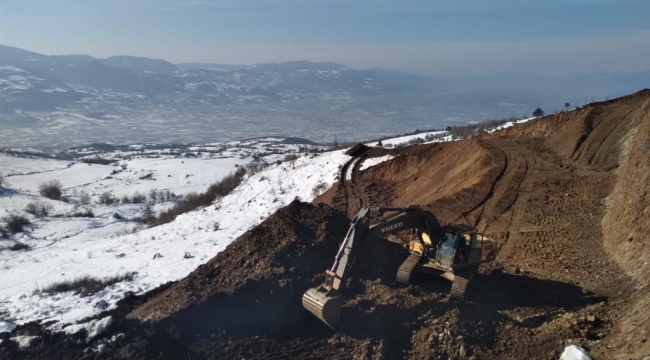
x=324, y=304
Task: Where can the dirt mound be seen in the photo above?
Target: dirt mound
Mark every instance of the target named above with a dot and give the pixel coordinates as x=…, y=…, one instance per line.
x=590, y=135
x=430, y=173
x=357, y=150
x=287, y=248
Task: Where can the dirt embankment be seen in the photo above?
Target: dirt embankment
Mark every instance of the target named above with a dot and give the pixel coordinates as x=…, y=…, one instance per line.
x=570, y=269
x=612, y=140
x=626, y=228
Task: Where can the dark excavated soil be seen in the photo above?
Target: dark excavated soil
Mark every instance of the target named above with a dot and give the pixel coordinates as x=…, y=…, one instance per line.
x=565, y=196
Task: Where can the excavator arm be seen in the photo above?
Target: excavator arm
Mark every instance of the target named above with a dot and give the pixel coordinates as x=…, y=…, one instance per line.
x=326, y=301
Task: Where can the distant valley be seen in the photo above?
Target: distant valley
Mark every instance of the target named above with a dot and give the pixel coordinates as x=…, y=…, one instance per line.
x=64, y=101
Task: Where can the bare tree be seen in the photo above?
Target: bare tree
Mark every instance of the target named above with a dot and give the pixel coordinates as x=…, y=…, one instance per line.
x=84, y=198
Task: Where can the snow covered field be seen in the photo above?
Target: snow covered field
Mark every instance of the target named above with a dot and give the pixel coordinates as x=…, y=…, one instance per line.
x=11, y=165
x=140, y=175
x=104, y=246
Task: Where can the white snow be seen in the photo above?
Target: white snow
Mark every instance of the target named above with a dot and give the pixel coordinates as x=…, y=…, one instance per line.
x=511, y=123
x=11, y=68
x=58, y=89
x=6, y=327
x=350, y=169
x=93, y=327
x=440, y=137
x=573, y=352
x=179, y=175
x=23, y=341
x=13, y=165
x=76, y=175
x=66, y=248
x=368, y=163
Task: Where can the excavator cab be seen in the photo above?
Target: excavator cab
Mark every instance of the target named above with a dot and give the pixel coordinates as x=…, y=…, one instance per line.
x=447, y=250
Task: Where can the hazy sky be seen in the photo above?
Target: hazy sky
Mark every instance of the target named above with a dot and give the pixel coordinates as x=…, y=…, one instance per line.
x=439, y=37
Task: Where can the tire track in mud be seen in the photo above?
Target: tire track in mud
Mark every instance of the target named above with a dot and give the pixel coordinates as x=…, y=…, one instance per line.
x=510, y=188
x=351, y=198
x=356, y=198
x=343, y=204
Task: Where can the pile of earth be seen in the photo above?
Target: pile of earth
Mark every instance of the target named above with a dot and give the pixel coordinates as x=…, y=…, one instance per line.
x=245, y=303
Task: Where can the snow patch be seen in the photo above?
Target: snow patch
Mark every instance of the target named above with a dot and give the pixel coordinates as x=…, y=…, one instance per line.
x=6, y=327
x=511, y=123
x=368, y=163
x=435, y=136
x=11, y=68
x=93, y=327
x=24, y=341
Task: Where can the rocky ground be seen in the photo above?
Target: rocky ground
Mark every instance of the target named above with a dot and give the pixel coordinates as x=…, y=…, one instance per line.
x=565, y=196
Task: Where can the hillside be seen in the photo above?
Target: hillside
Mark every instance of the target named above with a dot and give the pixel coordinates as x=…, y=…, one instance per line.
x=566, y=197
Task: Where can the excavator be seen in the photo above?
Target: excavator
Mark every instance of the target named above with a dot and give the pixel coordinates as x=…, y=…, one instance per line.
x=452, y=251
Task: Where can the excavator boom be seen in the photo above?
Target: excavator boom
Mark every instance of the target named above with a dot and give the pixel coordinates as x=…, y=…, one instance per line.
x=326, y=301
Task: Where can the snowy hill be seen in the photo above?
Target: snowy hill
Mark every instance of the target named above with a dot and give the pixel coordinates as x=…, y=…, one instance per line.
x=133, y=99
x=103, y=240
x=140, y=64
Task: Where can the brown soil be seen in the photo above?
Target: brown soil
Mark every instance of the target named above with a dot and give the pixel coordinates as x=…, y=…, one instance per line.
x=566, y=196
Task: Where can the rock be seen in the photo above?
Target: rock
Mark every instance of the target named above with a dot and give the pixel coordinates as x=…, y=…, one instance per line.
x=461, y=351
x=102, y=305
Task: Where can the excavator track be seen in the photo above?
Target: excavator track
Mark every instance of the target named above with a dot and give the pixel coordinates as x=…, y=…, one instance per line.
x=461, y=280
x=405, y=270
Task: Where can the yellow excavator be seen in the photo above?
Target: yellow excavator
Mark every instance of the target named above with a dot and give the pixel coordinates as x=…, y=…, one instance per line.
x=451, y=251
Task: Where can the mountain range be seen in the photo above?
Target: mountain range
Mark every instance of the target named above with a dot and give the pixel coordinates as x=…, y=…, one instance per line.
x=46, y=99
